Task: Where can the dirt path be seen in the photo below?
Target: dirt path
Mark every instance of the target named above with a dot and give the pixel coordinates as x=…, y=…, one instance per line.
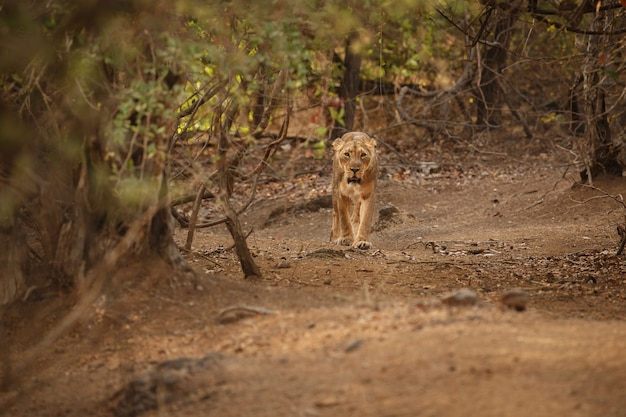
x=335, y=332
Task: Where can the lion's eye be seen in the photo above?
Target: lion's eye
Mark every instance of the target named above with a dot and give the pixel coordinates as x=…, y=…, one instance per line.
x=347, y=154
x=363, y=155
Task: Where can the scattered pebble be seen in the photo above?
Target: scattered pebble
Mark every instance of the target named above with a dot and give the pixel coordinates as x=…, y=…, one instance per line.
x=388, y=211
x=354, y=345
x=462, y=297
x=515, y=299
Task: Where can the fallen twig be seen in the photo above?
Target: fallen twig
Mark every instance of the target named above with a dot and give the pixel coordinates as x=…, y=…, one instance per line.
x=619, y=198
x=191, y=197
x=222, y=315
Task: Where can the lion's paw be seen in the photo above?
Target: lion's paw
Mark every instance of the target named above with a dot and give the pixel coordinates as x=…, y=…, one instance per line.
x=362, y=244
x=343, y=241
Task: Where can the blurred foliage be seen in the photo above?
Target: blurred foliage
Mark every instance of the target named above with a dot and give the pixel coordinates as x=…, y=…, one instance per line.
x=95, y=94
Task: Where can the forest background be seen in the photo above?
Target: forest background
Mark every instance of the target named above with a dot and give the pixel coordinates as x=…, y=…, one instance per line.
x=115, y=114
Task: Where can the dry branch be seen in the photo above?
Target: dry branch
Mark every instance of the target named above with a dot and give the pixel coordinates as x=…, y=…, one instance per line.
x=438, y=97
x=619, y=198
x=190, y=197
x=271, y=103
x=226, y=171
x=224, y=314
x=194, y=217
x=211, y=92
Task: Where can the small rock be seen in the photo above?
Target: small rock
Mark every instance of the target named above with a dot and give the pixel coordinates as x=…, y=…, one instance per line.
x=388, y=211
x=175, y=381
x=353, y=345
x=515, y=298
x=388, y=216
x=462, y=297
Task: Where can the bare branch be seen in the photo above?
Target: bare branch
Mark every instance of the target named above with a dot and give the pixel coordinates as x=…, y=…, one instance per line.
x=619, y=198
x=190, y=197
x=269, y=106
x=194, y=218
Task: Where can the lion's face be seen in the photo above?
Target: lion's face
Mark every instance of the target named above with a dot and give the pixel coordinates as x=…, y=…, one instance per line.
x=355, y=153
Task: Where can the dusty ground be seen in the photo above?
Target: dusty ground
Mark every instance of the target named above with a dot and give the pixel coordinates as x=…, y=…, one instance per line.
x=329, y=331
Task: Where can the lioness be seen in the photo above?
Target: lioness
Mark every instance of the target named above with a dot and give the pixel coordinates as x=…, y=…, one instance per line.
x=355, y=172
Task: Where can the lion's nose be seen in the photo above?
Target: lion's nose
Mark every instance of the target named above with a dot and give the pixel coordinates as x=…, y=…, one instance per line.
x=354, y=170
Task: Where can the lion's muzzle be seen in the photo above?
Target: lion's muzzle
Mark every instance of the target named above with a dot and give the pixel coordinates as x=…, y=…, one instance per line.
x=354, y=179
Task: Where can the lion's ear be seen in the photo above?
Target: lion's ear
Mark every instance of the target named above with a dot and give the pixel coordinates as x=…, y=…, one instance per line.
x=337, y=143
x=371, y=142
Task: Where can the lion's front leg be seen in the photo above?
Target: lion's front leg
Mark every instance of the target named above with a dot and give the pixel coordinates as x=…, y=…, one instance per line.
x=342, y=229
x=355, y=219
x=366, y=214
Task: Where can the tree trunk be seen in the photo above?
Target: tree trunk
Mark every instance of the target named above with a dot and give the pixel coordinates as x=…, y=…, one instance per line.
x=13, y=258
x=488, y=101
x=348, y=89
x=248, y=266
x=601, y=155
x=227, y=164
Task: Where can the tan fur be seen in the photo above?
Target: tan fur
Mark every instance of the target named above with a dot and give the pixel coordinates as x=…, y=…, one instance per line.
x=355, y=172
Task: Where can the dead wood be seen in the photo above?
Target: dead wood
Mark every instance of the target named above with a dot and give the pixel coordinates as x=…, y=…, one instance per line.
x=237, y=312
x=194, y=218
x=191, y=197
x=621, y=231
